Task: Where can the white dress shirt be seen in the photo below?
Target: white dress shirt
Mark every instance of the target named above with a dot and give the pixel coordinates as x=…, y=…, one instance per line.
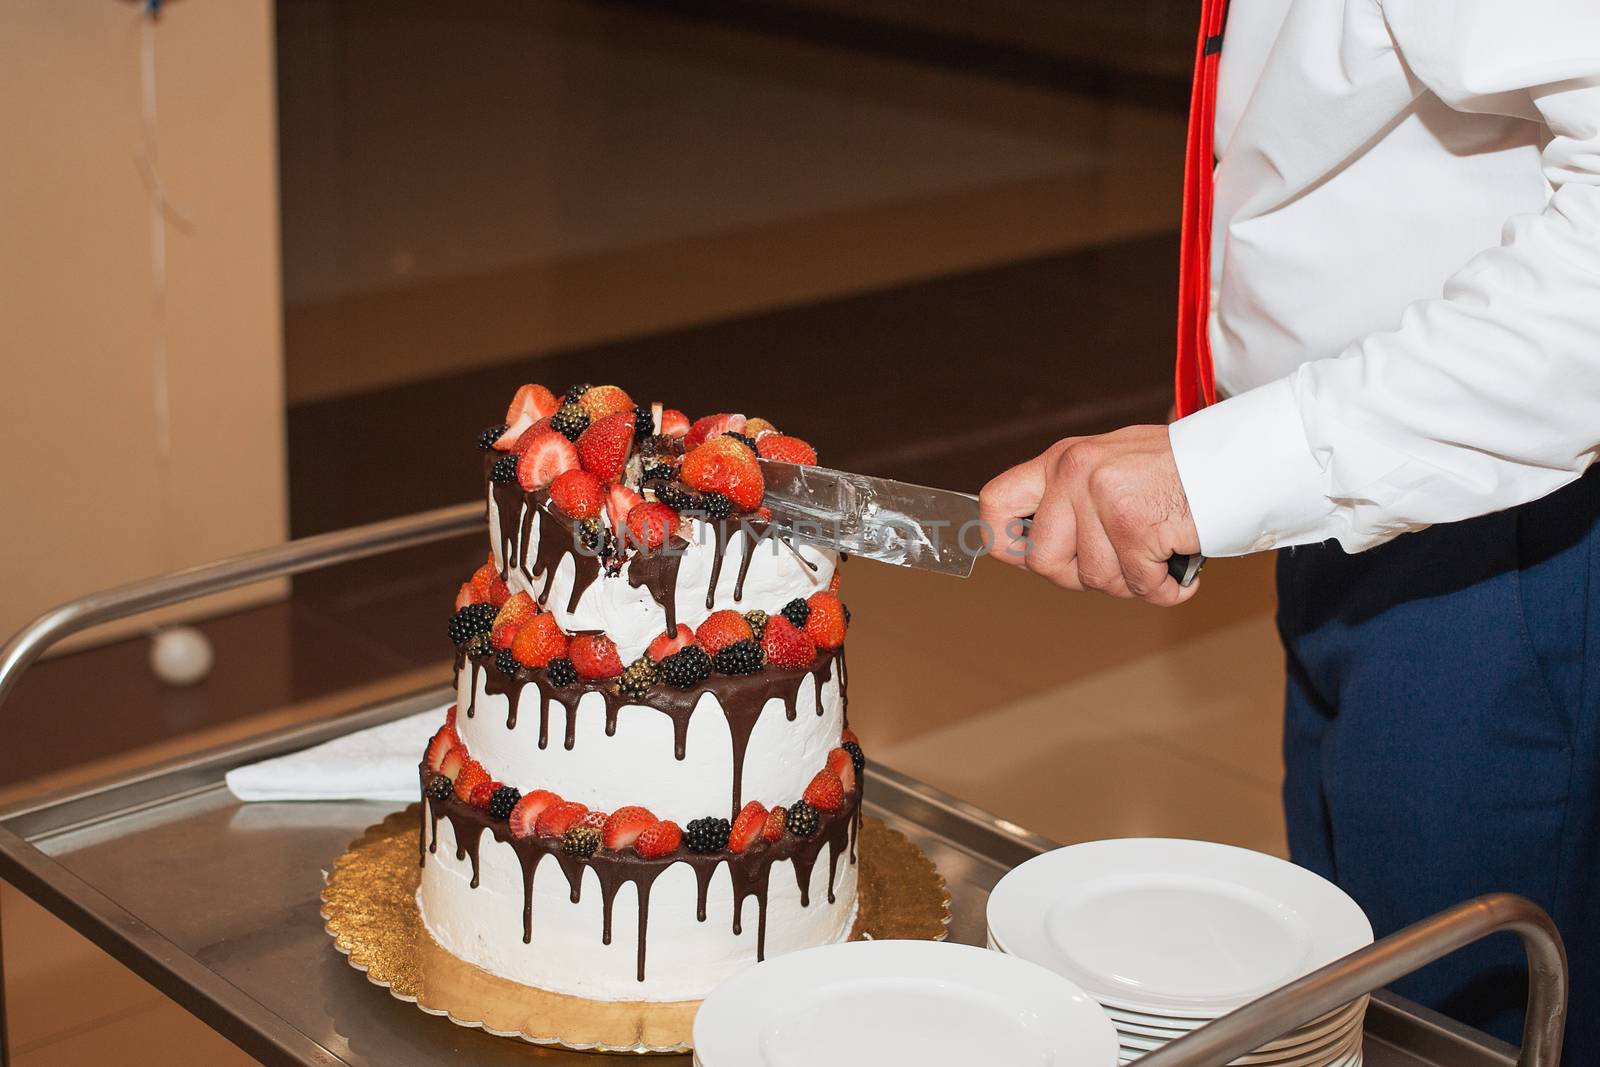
x=1405, y=268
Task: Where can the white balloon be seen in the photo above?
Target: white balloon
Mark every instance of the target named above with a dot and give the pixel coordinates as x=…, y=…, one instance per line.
x=181, y=656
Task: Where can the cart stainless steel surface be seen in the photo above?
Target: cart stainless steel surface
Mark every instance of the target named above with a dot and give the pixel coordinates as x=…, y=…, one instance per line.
x=217, y=903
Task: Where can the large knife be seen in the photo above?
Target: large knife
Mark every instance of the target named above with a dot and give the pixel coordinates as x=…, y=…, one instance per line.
x=892, y=522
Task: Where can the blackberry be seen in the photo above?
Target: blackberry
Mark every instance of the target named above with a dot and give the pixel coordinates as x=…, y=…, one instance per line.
x=505, y=662
x=639, y=676
x=857, y=757
x=678, y=497
x=439, y=787
x=797, y=611
x=803, y=820
x=581, y=841
x=477, y=645
x=470, y=621
x=744, y=439
x=686, y=669
x=716, y=505
x=593, y=535
x=575, y=391
x=504, y=471
x=658, y=472
x=741, y=657
x=706, y=835
x=502, y=800
x=644, y=424
x=570, y=421
x=758, y=622
x=561, y=672
x=489, y=436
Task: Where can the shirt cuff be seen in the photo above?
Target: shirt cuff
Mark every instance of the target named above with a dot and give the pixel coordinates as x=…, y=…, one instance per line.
x=1251, y=479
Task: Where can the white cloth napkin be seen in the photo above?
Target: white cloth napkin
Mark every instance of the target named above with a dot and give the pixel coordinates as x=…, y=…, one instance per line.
x=379, y=763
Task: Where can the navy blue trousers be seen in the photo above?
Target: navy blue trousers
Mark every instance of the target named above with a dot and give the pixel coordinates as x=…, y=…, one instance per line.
x=1442, y=738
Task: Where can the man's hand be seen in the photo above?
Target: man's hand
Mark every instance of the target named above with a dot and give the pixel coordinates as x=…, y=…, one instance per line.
x=1108, y=512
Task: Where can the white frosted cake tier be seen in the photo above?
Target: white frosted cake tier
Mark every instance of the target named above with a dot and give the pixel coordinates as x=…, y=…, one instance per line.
x=638, y=763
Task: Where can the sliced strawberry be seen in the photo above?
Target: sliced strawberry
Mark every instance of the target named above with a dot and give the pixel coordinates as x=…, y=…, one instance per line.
x=521, y=445
x=472, y=775
x=624, y=827
x=534, y=402
x=786, y=645
x=835, y=581
x=674, y=423
x=514, y=430
x=747, y=826
x=724, y=465
x=595, y=656
x=777, y=822
x=650, y=524
x=514, y=614
x=713, y=426
x=499, y=591
x=849, y=735
x=525, y=816
x=595, y=820
x=786, y=449
x=464, y=596
x=483, y=581
x=841, y=764
x=659, y=840
x=603, y=448
x=601, y=401
x=825, y=625
x=439, y=747
x=548, y=455
x=539, y=641
x=450, y=716
x=667, y=644
x=482, y=792
x=579, y=494
x=619, y=501
x=721, y=629
x=453, y=761
x=826, y=792
x=560, y=817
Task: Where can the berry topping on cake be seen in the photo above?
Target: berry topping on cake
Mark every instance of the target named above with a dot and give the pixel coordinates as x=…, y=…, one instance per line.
x=603, y=448
x=803, y=820
x=776, y=822
x=657, y=472
x=539, y=641
x=674, y=423
x=603, y=400
x=747, y=826
x=548, y=455
x=560, y=817
x=709, y=834
x=667, y=644
x=595, y=539
x=570, y=421
x=491, y=434
x=579, y=494
x=826, y=622
x=438, y=788
x=624, y=826
x=758, y=622
x=514, y=613
x=826, y=792
x=844, y=767
x=639, y=677
x=525, y=815
x=686, y=669
x=661, y=839
x=488, y=586
x=797, y=611
x=561, y=672
x=677, y=497
x=644, y=422
x=724, y=465
x=848, y=737
x=482, y=792
x=575, y=391
x=786, y=449
x=744, y=439
x=786, y=645
x=439, y=747
x=858, y=759
x=715, y=505
x=581, y=841
x=619, y=501
x=525, y=441
x=504, y=471
x=755, y=428
x=741, y=657
x=651, y=524
x=471, y=621
x=721, y=629
x=477, y=646
x=502, y=801
x=711, y=426
x=595, y=656
x=454, y=760
x=532, y=402
x=463, y=596
x=470, y=777
x=505, y=662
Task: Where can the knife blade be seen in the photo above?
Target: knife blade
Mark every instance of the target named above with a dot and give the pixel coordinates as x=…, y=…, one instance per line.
x=893, y=522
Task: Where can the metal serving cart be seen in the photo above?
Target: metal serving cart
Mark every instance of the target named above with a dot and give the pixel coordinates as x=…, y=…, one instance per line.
x=217, y=903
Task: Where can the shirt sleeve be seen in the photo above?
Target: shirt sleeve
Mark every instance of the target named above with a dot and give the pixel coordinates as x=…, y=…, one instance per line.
x=1481, y=399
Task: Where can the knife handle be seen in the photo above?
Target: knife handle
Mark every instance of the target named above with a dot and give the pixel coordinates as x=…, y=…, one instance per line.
x=1184, y=569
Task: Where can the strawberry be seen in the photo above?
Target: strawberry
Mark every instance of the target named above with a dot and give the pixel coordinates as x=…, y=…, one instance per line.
x=440, y=746
x=661, y=839
x=603, y=447
x=578, y=494
x=721, y=629
x=450, y=716
x=786, y=645
x=525, y=816
x=650, y=524
x=472, y=775
x=499, y=591
x=619, y=501
x=724, y=465
x=624, y=827
x=560, y=817
x=849, y=735
x=601, y=401
x=483, y=580
x=755, y=429
x=825, y=625
x=841, y=764
x=836, y=581
x=539, y=641
x=826, y=792
x=482, y=792
x=747, y=826
x=533, y=402
x=667, y=644
x=674, y=423
x=514, y=613
x=786, y=449
x=521, y=445
x=453, y=761
x=464, y=596
x=514, y=432
x=548, y=455
x=711, y=426
x=777, y=822
x=595, y=820
x=595, y=656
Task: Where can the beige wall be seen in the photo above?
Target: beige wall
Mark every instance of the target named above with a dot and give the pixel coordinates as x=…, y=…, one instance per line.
x=88, y=502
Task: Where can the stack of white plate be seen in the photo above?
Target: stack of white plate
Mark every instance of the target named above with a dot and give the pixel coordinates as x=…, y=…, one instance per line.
x=1168, y=935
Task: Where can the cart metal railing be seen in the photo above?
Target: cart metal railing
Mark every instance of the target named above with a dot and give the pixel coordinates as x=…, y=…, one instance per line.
x=1214, y=1044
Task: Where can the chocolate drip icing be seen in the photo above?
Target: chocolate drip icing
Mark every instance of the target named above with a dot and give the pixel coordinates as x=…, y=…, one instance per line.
x=657, y=572
x=507, y=500
x=750, y=872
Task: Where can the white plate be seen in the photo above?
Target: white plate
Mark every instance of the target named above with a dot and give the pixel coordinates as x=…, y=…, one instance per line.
x=1188, y=929
x=1330, y=1054
x=1315, y=1030
x=867, y=1003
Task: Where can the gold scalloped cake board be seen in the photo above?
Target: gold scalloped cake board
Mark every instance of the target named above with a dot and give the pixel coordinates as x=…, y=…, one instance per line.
x=371, y=908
